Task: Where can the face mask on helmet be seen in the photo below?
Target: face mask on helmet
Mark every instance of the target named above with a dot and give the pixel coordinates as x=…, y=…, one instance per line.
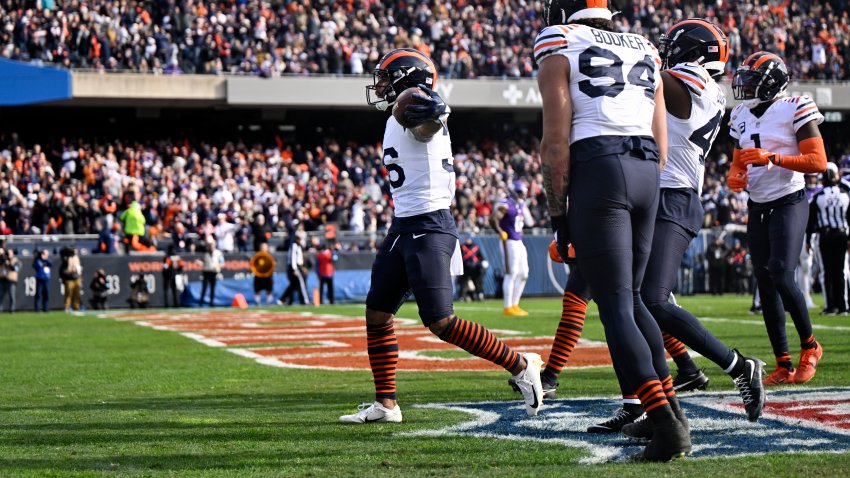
x=745, y=87
x=764, y=83
x=383, y=90
x=399, y=70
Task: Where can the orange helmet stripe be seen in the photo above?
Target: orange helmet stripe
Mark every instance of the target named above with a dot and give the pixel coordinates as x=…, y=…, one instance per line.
x=597, y=3
x=769, y=56
x=404, y=53
x=718, y=35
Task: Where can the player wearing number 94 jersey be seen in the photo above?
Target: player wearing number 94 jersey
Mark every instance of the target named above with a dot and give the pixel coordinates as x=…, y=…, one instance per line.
x=604, y=139
x=778, y=141
x=421, y=250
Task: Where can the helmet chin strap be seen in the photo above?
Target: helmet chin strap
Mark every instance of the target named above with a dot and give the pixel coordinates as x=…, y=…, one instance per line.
x=382, y=105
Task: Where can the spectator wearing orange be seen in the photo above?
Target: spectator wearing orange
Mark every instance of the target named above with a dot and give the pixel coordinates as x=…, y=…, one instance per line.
x=262, y=266
x=325, y=268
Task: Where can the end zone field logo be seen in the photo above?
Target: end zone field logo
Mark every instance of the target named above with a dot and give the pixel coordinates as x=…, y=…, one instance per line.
x=794, y=421
x=333, y=342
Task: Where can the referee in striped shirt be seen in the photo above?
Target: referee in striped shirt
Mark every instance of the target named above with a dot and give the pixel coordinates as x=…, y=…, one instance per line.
x=829, y=218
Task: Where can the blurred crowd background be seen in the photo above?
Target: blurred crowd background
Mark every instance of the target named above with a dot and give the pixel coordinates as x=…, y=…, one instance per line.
x=466, y=38
x=241, y=190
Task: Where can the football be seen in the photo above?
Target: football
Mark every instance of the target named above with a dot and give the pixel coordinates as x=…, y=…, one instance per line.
x=404, y=100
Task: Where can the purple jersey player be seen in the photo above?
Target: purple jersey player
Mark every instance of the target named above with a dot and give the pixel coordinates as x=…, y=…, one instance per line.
x=508, y=219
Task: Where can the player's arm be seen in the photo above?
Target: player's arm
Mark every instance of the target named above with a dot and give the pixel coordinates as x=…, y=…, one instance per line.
x=553, y=82
x=659, y=125
x=431, y=113
x=496, y=216
x=676, y=96
x=737, y=176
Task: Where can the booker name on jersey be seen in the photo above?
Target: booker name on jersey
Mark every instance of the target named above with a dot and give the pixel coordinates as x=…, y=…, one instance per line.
x=611, y=75
x=774, y=131
x=689, y=140
x=421, y=175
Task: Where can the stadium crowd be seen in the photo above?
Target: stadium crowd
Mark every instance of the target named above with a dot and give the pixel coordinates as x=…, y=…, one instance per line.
x=467, y=38
x=224, y=189
x=242, y=192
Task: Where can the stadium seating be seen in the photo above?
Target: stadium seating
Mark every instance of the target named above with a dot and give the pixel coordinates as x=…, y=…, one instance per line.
x=467, y=38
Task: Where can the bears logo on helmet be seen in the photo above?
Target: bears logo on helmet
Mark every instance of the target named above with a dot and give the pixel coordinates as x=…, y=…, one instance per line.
x=397, y=71
x=763, y=77
x=695, y=40
x=561, y=12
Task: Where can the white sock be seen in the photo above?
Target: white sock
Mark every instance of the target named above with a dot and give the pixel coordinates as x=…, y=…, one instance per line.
x=732, y=365
x=508, y=290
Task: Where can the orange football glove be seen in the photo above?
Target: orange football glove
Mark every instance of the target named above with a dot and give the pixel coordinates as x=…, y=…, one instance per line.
x=556, y=256
x=553, y=252
x=757, y=157
x=736, y=179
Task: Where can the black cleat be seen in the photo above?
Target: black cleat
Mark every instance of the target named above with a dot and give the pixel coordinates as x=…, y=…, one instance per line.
x=671, y=440
x=750, y=386
x=755, y=310
x=550, y=389
x=641, y=428
x=622, y=417
x=512, y=383
x=690, y=381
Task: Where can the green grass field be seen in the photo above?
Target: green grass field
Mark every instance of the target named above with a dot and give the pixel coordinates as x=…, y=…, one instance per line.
x=81, y=396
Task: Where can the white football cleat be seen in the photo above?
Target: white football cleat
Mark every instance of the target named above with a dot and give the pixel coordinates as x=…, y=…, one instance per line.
x=373, y=413
x=528, y=382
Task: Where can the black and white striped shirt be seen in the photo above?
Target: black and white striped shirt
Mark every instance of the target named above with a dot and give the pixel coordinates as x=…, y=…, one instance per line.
x=830, y=208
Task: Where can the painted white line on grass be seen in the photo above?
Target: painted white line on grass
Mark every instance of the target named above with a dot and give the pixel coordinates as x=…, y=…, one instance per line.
x=761, y=323
x=203, y=340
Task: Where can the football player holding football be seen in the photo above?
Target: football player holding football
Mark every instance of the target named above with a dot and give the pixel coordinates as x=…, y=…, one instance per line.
x=421, y=251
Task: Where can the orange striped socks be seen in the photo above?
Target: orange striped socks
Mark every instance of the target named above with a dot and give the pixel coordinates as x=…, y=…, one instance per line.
x=652, y=396
x=809, y=343
x=569, y=331
x=673, y=346
x=680, y=354
x=667, y=386
x=478, y=341
x=784, y=360
x=383, y=358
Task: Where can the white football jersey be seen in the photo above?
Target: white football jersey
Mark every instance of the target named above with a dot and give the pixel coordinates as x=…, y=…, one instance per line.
x=774, y=131
x=421, y=175
x=689, y=140
x=613, y=78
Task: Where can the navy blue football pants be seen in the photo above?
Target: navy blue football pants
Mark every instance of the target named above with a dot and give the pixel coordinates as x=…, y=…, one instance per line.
x=669, y=243
x=613, y=202
x=775, y=235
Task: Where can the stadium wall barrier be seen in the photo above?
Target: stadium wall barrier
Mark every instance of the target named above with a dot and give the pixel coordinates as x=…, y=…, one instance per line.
x=145, y=90
x=351, y=281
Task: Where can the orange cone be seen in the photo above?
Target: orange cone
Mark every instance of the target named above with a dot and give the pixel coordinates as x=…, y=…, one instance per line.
x=239, y=301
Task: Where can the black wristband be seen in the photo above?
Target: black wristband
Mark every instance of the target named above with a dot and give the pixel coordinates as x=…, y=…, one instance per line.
x=558, y=222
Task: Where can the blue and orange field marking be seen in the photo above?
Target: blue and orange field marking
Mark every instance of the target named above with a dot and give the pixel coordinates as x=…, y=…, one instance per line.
x=795, y=420
x=334, y=342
